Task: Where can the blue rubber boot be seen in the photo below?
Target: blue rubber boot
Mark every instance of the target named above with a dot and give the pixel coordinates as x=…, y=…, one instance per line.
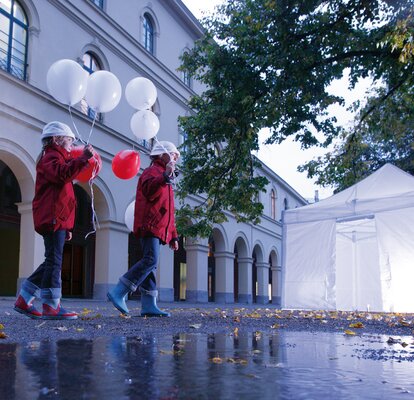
x=149, y=304
x=117, y=296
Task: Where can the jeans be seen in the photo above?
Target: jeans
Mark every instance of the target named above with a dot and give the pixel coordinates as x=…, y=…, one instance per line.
x=47, y=276
x=143, y=272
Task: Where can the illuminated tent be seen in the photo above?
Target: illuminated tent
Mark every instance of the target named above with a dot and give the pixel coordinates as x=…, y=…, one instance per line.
x=354, y=250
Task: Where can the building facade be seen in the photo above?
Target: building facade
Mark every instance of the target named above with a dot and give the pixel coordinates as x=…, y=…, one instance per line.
x=239, y=263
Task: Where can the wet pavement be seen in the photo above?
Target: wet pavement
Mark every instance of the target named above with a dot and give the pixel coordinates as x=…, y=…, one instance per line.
x=205, y=352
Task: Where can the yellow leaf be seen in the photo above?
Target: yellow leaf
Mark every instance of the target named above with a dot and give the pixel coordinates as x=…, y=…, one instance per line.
x=79, y=329
x=217, y=360
x=348, y=332
x=1, y=326
x=3, y=335
x=275, y=326
x=236, y=319
x=357, y=325
x=236, y=331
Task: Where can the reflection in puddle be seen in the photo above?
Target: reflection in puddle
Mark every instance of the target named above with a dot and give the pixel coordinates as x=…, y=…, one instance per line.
x=286, y=365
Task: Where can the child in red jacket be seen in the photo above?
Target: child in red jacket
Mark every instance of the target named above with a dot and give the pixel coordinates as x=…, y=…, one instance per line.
x=54, y=217
x=154, y=224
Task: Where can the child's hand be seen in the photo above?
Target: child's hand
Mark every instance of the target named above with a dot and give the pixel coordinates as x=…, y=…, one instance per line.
x=170, y=168
x=88, y=151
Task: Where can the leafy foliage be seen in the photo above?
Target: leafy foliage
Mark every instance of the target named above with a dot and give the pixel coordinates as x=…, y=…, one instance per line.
x=267, y=64
x=386, y=135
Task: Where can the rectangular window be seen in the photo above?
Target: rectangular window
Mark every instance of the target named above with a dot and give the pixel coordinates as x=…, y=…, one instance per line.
x=99, y=3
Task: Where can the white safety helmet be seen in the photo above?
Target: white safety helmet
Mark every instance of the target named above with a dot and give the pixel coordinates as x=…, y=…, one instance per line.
x=163, y=147
x=56, y=128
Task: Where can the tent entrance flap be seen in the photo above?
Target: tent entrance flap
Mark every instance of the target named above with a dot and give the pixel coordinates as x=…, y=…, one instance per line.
x=357, y=278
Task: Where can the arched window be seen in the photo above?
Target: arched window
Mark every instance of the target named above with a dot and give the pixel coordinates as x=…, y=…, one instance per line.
x=148, y=33
x=186, y=76
x=99, y=3
x=90, y=64
x=273, y=204
x=13, y=38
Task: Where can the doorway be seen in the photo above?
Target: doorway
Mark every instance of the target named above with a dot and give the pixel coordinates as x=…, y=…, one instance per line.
x=79, y=254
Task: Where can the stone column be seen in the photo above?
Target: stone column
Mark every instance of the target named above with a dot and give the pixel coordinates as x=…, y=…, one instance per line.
x=263, y=282
x=32, y=250
x=165, y=274
x=277, y=285
x=224, y=276
x=111, y=256
x=197, y=273
x=245, y=280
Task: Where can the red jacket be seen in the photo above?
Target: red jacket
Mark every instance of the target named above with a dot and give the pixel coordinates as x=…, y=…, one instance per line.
x=54, y=202
x=154, y=205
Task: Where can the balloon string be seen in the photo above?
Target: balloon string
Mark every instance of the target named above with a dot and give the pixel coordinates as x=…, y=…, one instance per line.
x=76, y=129
x=93, y=124
x=95, y=222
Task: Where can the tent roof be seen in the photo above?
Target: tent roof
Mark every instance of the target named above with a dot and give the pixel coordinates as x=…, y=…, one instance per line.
x=388, y=188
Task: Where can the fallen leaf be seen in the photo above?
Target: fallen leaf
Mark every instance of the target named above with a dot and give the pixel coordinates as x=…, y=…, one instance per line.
x=79, y=329
x=357, y=325
x=236, y=331
x=391, y=340
x=3, y=335
x=217, y=360
x=61, y=328
x=275, y=326
x=349, y=332
x=1, y=326
x=195, y=326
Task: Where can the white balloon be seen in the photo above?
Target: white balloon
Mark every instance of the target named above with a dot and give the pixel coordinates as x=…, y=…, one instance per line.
x=104, y=91
x=129, y=216
x=145, y=124
x=141, y=93
x=67, y=81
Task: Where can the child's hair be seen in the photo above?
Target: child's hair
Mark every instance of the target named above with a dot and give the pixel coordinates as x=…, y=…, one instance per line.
x=47, y=141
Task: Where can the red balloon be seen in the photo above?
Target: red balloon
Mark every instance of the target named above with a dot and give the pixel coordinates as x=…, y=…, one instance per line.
x=125, y=164
x=93, y=168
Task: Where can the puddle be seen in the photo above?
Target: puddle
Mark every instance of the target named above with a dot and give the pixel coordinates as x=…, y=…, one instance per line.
x=285, y=365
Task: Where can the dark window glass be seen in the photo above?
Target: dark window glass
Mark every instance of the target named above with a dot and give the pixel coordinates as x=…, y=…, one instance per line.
x=13, y=38
x=148, y=34
x=90, y=64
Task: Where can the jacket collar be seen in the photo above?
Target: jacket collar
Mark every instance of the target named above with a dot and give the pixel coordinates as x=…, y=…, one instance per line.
x=60, y=149
x=159, y=162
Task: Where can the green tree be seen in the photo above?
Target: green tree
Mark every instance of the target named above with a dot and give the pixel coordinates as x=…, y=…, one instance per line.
x=384, y=133
x=268, y=64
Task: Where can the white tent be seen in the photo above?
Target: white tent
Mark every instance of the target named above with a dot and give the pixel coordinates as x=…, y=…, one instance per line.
x=354, y=250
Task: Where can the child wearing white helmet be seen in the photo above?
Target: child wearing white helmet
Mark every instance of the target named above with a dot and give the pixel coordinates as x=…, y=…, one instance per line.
x=154, y=225
x=54, y=217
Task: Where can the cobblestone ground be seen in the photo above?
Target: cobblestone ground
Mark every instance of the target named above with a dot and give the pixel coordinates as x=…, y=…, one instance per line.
x=101, y=319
